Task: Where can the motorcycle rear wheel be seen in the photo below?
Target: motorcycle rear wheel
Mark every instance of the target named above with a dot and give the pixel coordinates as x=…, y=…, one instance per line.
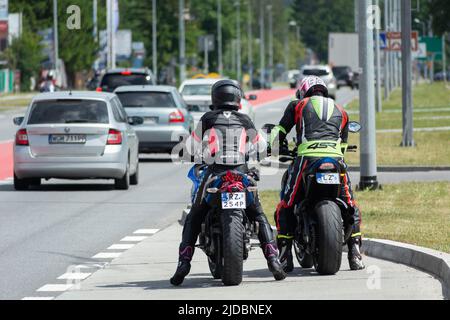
x=233, y=247
x=304, y=259
x=329, y=238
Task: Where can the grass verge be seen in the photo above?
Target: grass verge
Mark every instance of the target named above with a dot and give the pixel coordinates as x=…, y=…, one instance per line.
x=415, y=212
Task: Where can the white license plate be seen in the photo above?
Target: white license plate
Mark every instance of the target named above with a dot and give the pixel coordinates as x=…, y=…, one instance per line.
x=234, y=200
x=150, y=120
x=327, y=178
x=67, y=139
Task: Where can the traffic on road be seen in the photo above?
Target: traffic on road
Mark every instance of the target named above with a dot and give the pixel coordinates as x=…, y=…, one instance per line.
x=163, y=159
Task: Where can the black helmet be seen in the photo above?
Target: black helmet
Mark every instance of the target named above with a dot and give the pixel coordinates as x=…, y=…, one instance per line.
x=226, y=94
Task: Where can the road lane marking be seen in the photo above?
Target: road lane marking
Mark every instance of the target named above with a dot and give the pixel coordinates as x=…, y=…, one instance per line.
x=146, y=231
x=38, y=298
x=121, y=246
x=107, y=255
x=74, y=276
x=55, y=287
x=134, y=238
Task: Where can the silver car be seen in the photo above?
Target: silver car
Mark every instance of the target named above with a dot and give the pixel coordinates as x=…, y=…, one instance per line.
x=325, y=73
x=165, y=114
x=75, y=135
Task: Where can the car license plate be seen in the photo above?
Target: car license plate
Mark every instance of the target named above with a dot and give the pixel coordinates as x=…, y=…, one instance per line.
x=150, y=120
x=234, y=200
x=67, y=139
x=327, y=178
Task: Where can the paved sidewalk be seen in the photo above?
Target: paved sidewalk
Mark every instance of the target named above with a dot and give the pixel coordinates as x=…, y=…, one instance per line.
x=143, y=272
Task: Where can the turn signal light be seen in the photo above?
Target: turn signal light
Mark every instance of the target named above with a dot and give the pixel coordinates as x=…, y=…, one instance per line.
x=22, y=137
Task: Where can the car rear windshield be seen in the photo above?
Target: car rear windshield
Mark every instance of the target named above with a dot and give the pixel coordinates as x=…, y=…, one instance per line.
x=197, y=90
x=340, y=70
x=115, y=80
x=146, y=99
x=315, y=72
x=69, y=111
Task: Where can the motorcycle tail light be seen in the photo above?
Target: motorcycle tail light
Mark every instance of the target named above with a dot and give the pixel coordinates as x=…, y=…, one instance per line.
x=327, y=166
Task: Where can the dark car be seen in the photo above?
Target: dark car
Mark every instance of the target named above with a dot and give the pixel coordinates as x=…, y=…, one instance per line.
x=115, y=78
x=344, y=76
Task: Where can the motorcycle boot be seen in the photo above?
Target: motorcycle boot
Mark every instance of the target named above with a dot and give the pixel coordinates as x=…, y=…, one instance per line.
x=184, y=265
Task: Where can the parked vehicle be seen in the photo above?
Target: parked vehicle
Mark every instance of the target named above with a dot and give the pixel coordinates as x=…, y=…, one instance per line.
x=323, y=223
x=75, y=135
x=197, y=94
x=344, y=76
x=293, y=81
x=226, y=231
x=325, y=73
x=112, y=79
x=166, y=116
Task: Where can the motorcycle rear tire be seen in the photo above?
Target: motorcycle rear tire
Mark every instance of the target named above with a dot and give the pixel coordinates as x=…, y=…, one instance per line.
x=233, y=247
x=329, y=238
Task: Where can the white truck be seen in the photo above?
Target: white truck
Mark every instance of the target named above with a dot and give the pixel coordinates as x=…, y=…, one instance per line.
x=343, y=50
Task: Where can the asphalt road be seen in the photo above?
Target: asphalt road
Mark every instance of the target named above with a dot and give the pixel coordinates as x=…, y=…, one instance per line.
x=46, y=231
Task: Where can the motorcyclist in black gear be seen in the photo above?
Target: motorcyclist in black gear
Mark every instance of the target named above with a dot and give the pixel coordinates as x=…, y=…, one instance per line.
x=224, y=127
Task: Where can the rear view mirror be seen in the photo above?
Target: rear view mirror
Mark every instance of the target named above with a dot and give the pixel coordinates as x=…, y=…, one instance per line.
x=252, y=97
x=135, y=121
x=18, y=121
x=268, y=127
x=354, y=127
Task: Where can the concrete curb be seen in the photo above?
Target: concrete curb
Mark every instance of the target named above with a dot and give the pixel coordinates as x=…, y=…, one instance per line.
x=431, y=261
x=277, y=164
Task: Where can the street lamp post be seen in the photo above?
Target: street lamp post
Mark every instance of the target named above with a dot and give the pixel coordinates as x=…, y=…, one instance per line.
x=262, y=45
x=154, y=40
x=182, y=41
x=219, y=36
x=269, y=8
x=238, y=42
x=250, y=43
x=55, y=33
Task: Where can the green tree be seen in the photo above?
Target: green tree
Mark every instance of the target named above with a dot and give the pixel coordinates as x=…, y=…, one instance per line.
x=25, y=55
x=318, y=19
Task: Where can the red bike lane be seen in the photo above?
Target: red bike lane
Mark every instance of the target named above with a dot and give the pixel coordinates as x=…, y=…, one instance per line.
x=6, y=160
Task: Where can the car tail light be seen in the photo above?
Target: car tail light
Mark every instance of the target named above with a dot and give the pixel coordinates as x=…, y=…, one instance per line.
x=126, y=73
x=176, y=116
x=114, y=137
x=327, y=166
x=99, y=89
x=22, y=137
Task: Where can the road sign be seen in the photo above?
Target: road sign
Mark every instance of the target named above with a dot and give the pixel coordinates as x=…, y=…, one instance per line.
x=421, y=54
x=394, y=41
x=434, y=47
x=206, y=42
x=3, y=9
x=383, y=41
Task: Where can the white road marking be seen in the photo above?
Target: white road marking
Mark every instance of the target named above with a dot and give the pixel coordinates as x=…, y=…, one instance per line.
x=146, y=231
x=74, y=276
x=415, y=130
x=38, y=298
x=55, y=287
x=121, y=246
x=107, y=255
x=134, y=239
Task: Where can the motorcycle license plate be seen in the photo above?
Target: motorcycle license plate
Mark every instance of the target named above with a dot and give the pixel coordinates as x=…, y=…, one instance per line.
x=234, y=200
x=327, y=178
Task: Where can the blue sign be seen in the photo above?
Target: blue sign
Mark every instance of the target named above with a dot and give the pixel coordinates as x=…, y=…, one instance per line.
x=3, y=9
x=383, y=41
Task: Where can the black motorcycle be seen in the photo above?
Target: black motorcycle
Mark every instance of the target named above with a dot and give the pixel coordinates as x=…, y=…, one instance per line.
x=226, y=232
x=324, y=224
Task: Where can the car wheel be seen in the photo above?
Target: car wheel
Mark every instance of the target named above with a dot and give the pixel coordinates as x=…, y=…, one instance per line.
x=35, y=182
x=134, y=179
x=124, y=182
x=21, y=184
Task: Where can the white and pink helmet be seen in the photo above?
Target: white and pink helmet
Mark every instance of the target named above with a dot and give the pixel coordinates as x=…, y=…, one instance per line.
x=310, y=85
